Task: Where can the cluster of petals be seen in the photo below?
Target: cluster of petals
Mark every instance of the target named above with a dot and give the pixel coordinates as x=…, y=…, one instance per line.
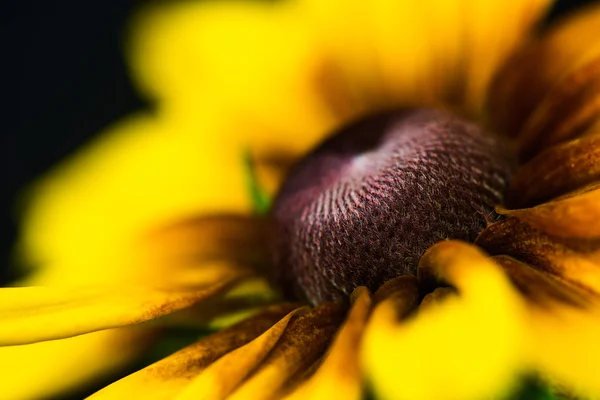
x=151, y=226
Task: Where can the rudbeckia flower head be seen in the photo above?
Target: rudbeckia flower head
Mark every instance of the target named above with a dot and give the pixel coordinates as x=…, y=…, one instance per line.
x=353, y=198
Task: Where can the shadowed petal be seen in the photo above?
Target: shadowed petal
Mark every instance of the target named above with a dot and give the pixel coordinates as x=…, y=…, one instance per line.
x=571, y=107
x=301, y=345
x=532, y=73
x=339, y=376
x=219, y=379
x=428, y=52
x=433, y=356
x=168, y=377
x=542, y=288
x=556, y=171
x=576, y=217
x=34, y=314
x=577, y=261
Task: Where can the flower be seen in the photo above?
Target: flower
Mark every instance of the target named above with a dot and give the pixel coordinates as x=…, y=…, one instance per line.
x=153, y=219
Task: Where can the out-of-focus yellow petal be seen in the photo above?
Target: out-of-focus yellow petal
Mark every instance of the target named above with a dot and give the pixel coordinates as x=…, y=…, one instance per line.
x=34, y=314
x=86, y=219
x=467, y=346
x=254, y=63
x=219, y=379
x=169, y=376
x=423, y=52
x=527, y=79
x=565, y=349
x=339, y=376
x=45, y=369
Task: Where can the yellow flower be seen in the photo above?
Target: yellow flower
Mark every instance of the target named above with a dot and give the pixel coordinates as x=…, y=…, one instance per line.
x=153, y=219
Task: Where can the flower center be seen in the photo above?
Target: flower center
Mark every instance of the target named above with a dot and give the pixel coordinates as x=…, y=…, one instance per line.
x=365, y=205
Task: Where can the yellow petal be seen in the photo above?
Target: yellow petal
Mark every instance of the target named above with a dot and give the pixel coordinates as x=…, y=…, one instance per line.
x=468, y=346
x=423, y=52
x=219, y=379
x=94, y=210
x=168, y=377
x=253, y=63
x=531, y=74
x=339, y=376
x=572, y=217
x=566, y=349
x=47, y=369
x=573, y=261
x=297, y=350
x=34, y=314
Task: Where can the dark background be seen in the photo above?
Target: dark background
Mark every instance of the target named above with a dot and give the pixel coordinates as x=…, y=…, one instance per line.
x=66, y=81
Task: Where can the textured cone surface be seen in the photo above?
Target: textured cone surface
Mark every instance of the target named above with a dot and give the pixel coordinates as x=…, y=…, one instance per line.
x=365, y=205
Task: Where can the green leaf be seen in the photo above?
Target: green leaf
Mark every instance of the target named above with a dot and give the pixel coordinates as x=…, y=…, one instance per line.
x=260, y=200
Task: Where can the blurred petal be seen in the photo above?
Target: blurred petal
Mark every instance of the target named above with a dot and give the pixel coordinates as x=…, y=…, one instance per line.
x=168, y=377
x=575, y=261
x=219, y=379
x=576, y=217
x=528, y=78
x=301, y=345
x=425, y=52
x=94, y=210
x=568, y=110
x=566, y=349
x=34, y=314
x=46, y=369
x=433, y=356
x=253, y=63
x=556, y=171
x=339, y=376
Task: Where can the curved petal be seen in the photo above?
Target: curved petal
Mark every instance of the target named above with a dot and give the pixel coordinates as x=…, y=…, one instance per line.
x=35, y=314
x=556, y=171
x=46, y=369
x=576, y=217
x=574, y=261
x=296, y=352
x=527, y=79
x=340, y=376
x=219, y=379
x=170, y=376
x=433, y=355
x=575, y=361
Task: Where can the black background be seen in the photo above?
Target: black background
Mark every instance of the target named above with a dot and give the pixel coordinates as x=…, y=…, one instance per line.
x=66, y=80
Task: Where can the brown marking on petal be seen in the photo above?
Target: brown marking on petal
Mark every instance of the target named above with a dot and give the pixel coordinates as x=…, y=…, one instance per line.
x=567, y=111
x=302, y=343
x=533, y=71
x=572, y=217
x=570, y=262
x=555, y=171
x=170, y=375
x=403, y=292
x=436, y=297
x=540, y=287
x=339, y=375
x=189, y=243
